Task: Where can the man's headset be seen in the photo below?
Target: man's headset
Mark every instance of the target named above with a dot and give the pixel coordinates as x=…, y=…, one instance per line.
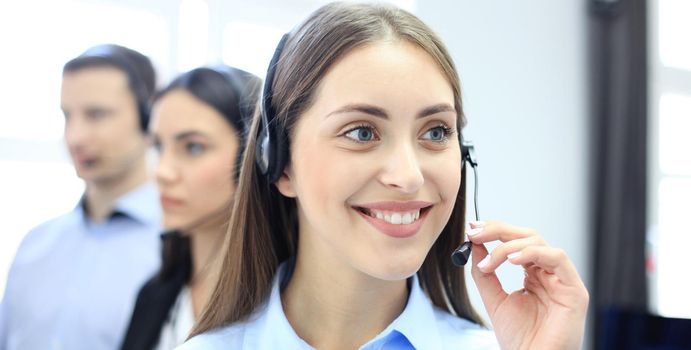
x=271, y=153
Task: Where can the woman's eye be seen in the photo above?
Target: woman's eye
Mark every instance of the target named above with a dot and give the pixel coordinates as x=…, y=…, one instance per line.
x=437, y=134
x=194, y=149
x=362, y=134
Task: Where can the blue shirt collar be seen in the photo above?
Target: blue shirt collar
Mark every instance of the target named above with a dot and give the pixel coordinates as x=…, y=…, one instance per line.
x=140, y=204
x=417, y=322
x=416, y=325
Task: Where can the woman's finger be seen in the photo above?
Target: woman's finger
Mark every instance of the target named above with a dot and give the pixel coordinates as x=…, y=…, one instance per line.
x=488, y=284
x=501, y=252
x=533, y=284
x=551, y=260
x=483, y=232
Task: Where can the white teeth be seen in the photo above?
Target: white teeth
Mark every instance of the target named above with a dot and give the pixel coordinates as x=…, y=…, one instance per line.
x=396, y=218
x=407, y=218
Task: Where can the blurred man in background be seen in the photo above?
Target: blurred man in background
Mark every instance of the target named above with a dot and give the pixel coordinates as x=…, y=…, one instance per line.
x=74, y=279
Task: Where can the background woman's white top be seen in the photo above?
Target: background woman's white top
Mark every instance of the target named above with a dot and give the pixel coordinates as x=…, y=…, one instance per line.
x=179, y=322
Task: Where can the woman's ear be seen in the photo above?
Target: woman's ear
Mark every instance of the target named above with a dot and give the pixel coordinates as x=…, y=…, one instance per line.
x=285, y=183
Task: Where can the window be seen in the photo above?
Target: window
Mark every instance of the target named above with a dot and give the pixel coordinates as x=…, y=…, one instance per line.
x=249, y=40
x=193, y=34
x=250, y=53
x=670, y=156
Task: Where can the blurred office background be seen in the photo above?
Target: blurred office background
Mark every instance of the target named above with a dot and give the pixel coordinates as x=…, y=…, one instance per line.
x=530, y=71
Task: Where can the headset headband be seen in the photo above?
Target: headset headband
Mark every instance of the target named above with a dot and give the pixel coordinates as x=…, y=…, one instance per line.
x=271, y=152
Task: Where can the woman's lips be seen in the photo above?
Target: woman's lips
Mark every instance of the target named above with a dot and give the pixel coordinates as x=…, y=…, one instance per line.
x=170, y=203
x=396, y=219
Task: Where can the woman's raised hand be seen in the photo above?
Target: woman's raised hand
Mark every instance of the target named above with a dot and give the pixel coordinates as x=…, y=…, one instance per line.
x=549, y=311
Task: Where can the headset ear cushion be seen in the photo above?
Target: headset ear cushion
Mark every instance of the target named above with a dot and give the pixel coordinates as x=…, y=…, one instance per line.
x=271, y=152
x=280, y=154
x=262, y=152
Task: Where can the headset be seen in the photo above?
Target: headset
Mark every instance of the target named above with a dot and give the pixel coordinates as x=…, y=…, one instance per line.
x=461, y=255
x=271, y=153
x=239, y=82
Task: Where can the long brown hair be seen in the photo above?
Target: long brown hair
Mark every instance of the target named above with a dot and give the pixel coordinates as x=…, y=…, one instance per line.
x=263, y=229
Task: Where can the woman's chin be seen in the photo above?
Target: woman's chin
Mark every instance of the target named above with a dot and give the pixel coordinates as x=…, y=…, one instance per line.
x=396, y=269
x=174, y=224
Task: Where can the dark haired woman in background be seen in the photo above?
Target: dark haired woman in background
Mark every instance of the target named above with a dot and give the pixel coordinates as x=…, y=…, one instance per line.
x=197, y=126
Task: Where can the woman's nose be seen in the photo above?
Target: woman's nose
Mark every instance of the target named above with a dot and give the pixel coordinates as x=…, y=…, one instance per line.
x=402, y=170
x=166, y=171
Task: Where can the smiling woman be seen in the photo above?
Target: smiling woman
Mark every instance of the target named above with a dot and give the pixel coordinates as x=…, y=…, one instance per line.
x=350, y=202
x=376, y=159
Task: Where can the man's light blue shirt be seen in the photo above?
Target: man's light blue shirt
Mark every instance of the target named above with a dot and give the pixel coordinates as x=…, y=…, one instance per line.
x=421, y=326
x=73, y=282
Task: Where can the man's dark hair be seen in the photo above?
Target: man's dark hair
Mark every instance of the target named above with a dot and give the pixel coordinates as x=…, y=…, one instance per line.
x=138, y=68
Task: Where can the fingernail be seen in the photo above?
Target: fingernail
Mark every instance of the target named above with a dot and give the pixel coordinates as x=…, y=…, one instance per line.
x=484, y=261
x=514, y=255
x=474, y=231
x=477, y=223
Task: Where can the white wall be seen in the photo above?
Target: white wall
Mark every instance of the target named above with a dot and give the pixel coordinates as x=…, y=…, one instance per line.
x=523, y=74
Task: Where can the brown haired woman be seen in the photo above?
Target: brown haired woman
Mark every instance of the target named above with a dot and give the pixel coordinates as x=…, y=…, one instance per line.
x=347, y=212
x=198, y=127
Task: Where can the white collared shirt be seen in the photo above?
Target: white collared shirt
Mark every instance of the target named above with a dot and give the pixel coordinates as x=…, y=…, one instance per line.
x=179, y=323
x=420, y=326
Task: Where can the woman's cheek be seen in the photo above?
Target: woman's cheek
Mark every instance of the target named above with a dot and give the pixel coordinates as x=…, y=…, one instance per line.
x=215, y=178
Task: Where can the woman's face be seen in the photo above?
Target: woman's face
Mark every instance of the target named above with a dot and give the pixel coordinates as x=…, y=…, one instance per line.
x=197, y=151
x=376, y=163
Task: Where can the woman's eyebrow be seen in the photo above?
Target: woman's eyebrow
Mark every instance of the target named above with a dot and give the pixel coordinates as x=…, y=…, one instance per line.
x=381, y=113
x=438, y=108
x=361, y=108
x=187, y=134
